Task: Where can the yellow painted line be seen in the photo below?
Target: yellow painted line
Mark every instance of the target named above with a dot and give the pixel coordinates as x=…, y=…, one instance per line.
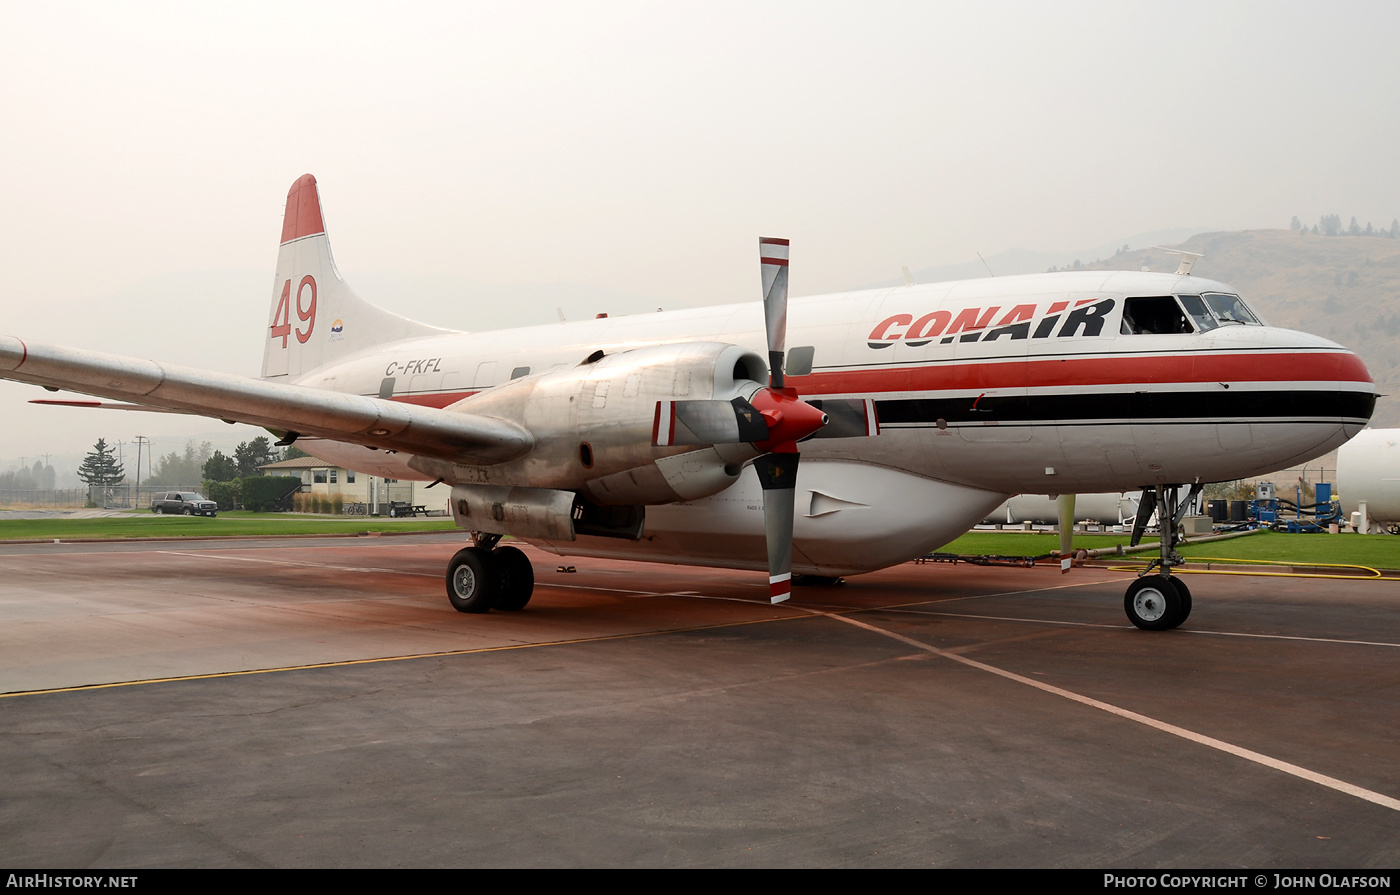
x=405, y=658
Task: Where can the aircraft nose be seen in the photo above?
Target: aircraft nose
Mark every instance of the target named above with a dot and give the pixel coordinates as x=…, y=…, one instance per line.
x=1352, y=372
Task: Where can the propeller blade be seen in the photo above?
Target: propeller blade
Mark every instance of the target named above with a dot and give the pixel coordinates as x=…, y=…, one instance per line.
x=777, y=474
x=773, y=257
x=707, y=422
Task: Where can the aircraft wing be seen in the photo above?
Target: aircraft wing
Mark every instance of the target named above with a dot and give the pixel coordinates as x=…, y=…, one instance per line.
x=356, y=419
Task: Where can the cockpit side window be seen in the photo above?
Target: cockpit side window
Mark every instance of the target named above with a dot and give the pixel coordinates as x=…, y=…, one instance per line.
x=1199, y=312
x=1229, y=308
x=1155, y=315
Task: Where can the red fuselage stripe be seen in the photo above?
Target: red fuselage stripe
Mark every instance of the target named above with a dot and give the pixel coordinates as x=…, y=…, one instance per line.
x=1065, y=372
x=1308, y=366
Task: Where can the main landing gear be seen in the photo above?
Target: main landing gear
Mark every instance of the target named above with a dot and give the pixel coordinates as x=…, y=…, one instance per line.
x=485, y=577
x=1156, y=601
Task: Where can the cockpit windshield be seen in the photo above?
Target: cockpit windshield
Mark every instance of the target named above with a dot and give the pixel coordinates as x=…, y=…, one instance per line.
x=1211, y=309
x=1229, y=308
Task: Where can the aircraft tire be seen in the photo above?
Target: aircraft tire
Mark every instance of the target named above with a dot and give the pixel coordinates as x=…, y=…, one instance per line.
x=1153, y=604
x=517, y=578
x=1184, y=593
x=473, y=580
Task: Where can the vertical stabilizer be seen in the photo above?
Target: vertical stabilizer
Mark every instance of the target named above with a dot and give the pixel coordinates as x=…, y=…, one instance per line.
x=315, y=317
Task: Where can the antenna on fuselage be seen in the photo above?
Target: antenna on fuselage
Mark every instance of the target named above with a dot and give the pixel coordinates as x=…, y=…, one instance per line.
x=985, y=264
x=1183, y=268
x=908, y=277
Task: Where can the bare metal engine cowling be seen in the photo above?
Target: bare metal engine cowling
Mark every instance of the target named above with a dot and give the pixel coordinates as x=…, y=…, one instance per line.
x=593, y=426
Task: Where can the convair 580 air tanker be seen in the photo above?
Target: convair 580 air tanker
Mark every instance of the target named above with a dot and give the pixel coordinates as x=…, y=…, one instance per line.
x=676, y=437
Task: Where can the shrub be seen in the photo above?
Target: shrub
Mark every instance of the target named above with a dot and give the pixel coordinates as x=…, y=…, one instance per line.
x=228, y=495
x=265, y=493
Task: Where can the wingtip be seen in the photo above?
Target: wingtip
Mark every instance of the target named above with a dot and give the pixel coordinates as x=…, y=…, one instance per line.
x=303, y=214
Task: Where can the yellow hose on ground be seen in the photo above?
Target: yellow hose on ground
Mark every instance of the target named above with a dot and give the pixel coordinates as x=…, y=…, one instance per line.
x=1373, y=574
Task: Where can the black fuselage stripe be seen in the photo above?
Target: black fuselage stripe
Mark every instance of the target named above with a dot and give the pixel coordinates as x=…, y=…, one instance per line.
x=1220, y=406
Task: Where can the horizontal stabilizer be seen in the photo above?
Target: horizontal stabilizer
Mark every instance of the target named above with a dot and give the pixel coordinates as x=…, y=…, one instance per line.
x=104, y=405
x=357, y=419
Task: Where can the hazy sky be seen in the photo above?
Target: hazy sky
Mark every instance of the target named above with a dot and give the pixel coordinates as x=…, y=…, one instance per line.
x=641, y=148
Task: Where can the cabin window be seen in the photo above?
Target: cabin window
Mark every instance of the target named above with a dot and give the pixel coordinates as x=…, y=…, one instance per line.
x=519, y=371
x=386, y=388
x=1156, y=315
x=799, y=360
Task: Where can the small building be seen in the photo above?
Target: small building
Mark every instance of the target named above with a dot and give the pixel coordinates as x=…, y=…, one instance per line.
x=375, y=493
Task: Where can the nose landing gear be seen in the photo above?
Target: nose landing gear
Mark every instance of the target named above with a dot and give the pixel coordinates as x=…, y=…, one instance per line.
x=1156, y=601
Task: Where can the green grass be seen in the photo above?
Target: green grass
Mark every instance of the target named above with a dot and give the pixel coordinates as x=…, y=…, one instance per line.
x=978, y=543
x=233, y=522
x=1374, y=551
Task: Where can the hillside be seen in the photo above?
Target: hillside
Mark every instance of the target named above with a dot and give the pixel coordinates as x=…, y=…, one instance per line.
x=1346, y=288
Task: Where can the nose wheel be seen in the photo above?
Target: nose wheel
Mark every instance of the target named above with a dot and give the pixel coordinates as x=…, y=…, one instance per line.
x=1156, y=601
x=480, y=579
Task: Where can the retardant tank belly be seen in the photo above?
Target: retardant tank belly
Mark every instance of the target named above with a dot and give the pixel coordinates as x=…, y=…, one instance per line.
x=851, y=517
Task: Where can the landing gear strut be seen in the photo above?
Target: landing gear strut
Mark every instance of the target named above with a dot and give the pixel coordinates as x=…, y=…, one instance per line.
x=1156, y=601
x=485, y=577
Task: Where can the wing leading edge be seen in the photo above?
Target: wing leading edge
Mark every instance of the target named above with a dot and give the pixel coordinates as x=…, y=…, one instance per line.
x=356, y=419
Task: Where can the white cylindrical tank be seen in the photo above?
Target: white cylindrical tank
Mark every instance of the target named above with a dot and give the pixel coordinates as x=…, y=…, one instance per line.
x=1368, y=472
x=1110, y=508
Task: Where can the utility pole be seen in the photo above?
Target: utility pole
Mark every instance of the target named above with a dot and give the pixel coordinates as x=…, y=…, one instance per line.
x=140, y=440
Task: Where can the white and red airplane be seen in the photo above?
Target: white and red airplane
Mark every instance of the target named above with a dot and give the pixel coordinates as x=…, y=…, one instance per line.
x=673, y=437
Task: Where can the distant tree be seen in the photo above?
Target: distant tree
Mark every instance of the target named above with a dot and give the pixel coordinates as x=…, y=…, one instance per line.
x=1395, y=229
x=1370, y=231
x=29, y=478
x=219, y=468
x=181, y=468
x=1354, y=229
x=1297, y=224
x=294, y=453
x=100, y=467
x=251, y=454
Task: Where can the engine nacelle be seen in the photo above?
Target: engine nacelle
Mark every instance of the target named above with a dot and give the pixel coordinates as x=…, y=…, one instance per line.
x=593, y=425
x=540, y=514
